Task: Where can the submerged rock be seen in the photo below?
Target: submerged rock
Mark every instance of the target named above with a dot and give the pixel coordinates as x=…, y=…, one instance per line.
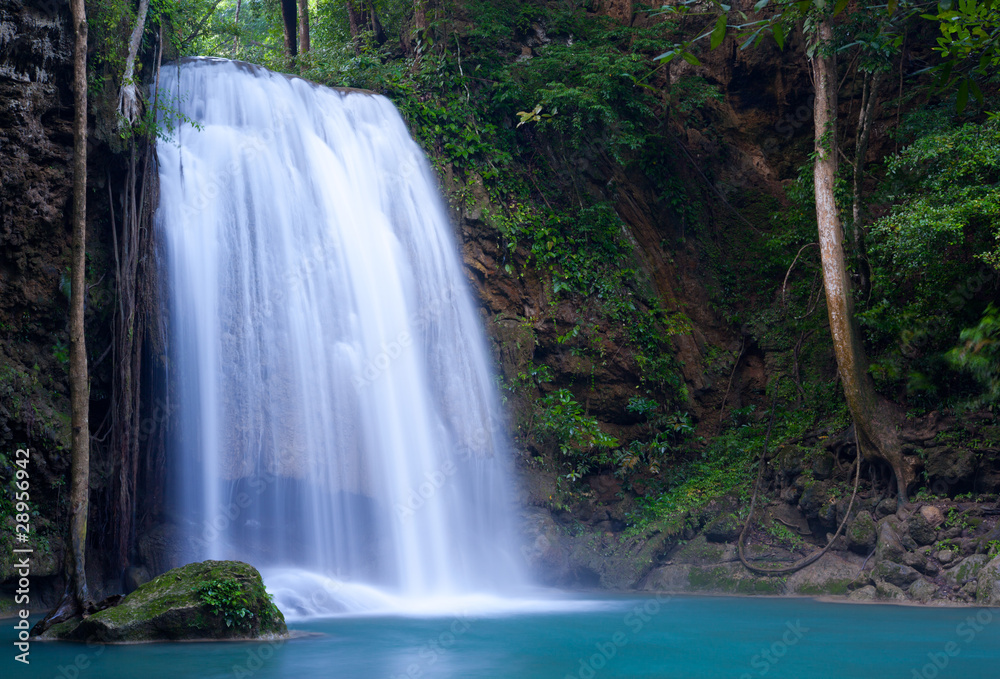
x=206, y=600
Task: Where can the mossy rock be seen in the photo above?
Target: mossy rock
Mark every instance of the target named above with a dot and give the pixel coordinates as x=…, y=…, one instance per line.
x=862, y=534
x=966, y=571
x=988, y=590
x=726, y=528
x=185, y=604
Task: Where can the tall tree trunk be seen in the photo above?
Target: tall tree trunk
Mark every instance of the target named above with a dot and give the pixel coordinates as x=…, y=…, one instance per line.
x=869, y=96
x=875, y=418
x=362, y=17
x=79, y=498
x=289, y=19
x=128, y=98
x=303, y=26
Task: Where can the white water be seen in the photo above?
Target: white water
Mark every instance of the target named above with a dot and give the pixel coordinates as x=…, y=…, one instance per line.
x=337, y=421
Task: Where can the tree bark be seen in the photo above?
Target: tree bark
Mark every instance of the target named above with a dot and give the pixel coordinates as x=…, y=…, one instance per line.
x=303, y=26
x=128, y=98
x=362, y=17
x=79, y=499
x=869, y=97
x=289, y=19
x=875, y=419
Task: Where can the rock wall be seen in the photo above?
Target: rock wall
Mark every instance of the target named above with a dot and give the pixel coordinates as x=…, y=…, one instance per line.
x=36, y=139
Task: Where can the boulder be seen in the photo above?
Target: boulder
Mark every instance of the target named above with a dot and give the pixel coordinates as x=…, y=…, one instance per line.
x=725, y=528
x=919, y=561
x=205, y=600
x=866, y=593
x=831, y=574
x=945, y=556
x=950, y=465
x=862, y=534
x=886, y=507
x=988, y=591
x=932, y=514
x=923, y=591
x=889, y=591
x=895, y=573
x=890, y=546
x=920, y=529
x=966, y=571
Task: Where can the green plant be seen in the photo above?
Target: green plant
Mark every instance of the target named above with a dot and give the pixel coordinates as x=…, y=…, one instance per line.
x=230, y=599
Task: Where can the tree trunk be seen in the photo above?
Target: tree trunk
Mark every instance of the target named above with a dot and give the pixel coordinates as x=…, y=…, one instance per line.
x=875, y=419
x=362, y=17
x=128, y=98
x=79, y=498
x=289, y=19
x=303, y=26
x=869, y=97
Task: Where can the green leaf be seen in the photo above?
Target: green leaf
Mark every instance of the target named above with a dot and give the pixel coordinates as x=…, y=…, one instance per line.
x=891, y=7
x=842, y=4
x=719, y=32
x=976, y=92
x=963, y=96
x=690, y=58
x=761, y=4
x=779, y=35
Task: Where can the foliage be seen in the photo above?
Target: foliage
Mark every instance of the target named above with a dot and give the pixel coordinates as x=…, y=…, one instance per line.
x=979, y=354
x=934, y=256
x=232, y=600
x=579, y=437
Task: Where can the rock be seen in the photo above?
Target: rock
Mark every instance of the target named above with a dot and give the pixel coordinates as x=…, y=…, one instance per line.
x=205, y=600
x=919, y=561
x=966, y=570
x=725, y=528
x=889, y=591
x=673, y=578
x=968, y=591
x=950, y=465
x=945, y=556
x=813, y=499
x=700, y=552
x=542, y=547
x=920, y=529
x=988, y=590
x=889, y=546
x=831, y=574
x=862, y=534
x=822, y=466
x=791, y=518
x=885, y=508
x=923, y=591
x=932, y=514
x=134, y=577
x=895, y=573
x=866, y=593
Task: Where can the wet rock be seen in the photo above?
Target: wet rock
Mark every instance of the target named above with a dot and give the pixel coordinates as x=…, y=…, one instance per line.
x=542, y=547
x=862, y=534
x=673, y=578
x=822, y=466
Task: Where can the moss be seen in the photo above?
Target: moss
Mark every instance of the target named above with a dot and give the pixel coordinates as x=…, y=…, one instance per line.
x=721, y=579
x=172, y=607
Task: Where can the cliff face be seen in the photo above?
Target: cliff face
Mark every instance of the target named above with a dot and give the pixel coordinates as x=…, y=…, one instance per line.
x=36, y=142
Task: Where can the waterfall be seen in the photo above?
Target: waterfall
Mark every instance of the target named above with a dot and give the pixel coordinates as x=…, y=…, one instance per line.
x=337, y=422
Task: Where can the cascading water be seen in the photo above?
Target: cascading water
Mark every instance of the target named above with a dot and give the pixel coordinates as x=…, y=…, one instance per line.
x=337, y=413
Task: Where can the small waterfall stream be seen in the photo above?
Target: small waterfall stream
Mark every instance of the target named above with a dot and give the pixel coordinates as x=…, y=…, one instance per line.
x=337, y=426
